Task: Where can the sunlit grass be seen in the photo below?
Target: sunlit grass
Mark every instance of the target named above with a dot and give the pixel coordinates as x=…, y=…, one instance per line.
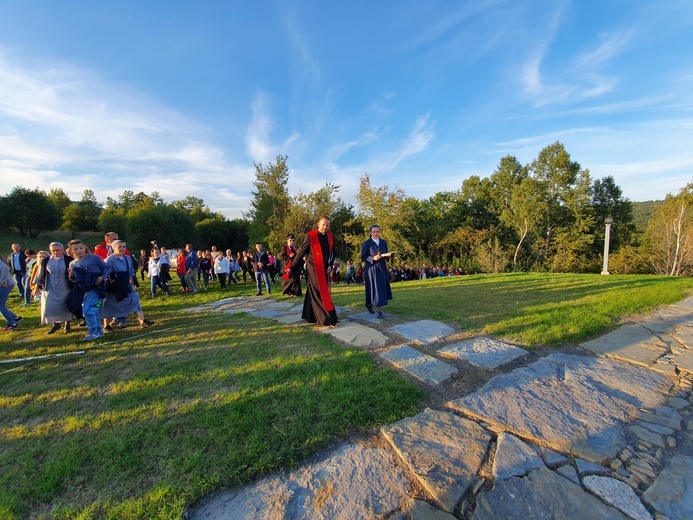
x=148, y=421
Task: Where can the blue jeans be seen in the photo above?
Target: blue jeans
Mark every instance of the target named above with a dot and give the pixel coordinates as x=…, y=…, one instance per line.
x=90, y=309
x=9, y=316
x=27, y=290
x=19, y=280
x=158, y=280
x=259, y=276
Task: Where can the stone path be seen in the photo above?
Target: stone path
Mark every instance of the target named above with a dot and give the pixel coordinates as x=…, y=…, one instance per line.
x=600, y=435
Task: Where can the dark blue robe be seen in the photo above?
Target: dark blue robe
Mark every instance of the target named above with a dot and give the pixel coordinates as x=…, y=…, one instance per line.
x=375, y=274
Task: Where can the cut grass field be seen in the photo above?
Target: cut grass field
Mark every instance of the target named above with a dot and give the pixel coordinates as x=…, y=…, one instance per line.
x=146, y=422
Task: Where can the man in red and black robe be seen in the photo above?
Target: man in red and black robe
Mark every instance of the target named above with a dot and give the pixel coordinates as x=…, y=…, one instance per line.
x=318, y=252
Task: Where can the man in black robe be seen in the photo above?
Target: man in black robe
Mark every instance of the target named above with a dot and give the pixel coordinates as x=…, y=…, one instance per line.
x=318, y=252
x=291, y=278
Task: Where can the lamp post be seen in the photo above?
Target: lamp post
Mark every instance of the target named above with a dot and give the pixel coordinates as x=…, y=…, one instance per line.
x=607, y=236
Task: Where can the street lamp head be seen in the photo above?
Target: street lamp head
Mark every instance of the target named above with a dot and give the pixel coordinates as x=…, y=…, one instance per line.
x=608, y=220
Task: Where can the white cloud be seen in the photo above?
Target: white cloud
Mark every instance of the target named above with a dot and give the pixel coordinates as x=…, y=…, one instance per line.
x=63, y=127
x=418, y=140
x=257, y=138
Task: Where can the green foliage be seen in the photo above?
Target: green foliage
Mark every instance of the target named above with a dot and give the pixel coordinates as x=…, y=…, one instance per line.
x=642, y=212
x=669, y=236
x=224, y=234
x=28, y=211
x=304, y=212
x=169, y=226
x=271, y=201
x=60, y=200
x=386, y=208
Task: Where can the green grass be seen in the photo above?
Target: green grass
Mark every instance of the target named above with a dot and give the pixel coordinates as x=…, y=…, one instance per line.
x=147, y=422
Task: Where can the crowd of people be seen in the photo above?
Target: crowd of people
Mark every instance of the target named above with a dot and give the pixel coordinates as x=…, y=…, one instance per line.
x=99, y=290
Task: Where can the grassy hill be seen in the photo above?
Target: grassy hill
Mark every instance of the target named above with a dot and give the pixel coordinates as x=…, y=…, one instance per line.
x=642, y=211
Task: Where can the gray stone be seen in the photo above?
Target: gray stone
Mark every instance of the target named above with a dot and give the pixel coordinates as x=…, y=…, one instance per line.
x=669, y=422
x=678, y=403
x=420, y=510
x=424, y=332
x=443, y=450
x=586, y=467
x=657, y=428
x=354, y=481
x=573, y=404
x=672, y=492
x=551, y=458
x=267, y=313
x=290, y=319
x=422, y=366
x=368, y=317
x=617, y=494
x=542, y=491
x=357, y=335
x=684, y=361
x=569, y=473
x=484, y=352
x=647, y=436
x=513, y=458
x=630, y=342
x=285, y=305
x=668, y=411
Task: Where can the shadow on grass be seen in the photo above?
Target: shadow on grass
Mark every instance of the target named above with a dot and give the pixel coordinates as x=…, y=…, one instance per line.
x=217, y=404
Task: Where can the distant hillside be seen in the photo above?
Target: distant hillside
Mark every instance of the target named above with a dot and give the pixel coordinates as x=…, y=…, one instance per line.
x=642, y=211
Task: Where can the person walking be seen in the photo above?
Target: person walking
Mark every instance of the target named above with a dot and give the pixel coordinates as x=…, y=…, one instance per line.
x=121, y=297
x=17, y=262
x=89, y=273
x=318, y=252
x=374, y=255
x=191, y=263
x=52, y=279
x=260, y=266
x=291, y=279
x=6, y=286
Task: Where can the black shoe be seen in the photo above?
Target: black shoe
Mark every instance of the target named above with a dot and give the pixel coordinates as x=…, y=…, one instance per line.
x=380, y=316
x=82, y=323
x=370, y=308
x=108, y=328
x=258, y=294
x=67, y=328
x=18, y=319
x=54, y=328
x=146, y=323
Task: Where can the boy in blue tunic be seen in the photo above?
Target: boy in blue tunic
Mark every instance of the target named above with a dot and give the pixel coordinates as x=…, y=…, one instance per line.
x=89, y=272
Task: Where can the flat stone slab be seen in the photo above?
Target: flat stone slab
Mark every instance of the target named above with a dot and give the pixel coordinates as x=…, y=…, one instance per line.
x=357, y=335
x=420, y=510
x=422, y=366
x=541, y=494
x=369, y=318
x=632, y=343
x=267, y=313
x=672, y=491
x=514, y=458
x=684, y=361
x=290, y=319
x=285, y=305
x=617, y=494
x=352, y=482
x=484, y=352
x=442, y=449
x=423, y=331
x=572, y=404
x=666, y=319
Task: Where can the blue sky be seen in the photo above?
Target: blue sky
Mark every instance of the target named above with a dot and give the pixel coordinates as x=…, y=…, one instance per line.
x=182, y=97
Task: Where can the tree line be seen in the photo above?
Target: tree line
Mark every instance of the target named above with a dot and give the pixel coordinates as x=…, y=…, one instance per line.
x=547, y=215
